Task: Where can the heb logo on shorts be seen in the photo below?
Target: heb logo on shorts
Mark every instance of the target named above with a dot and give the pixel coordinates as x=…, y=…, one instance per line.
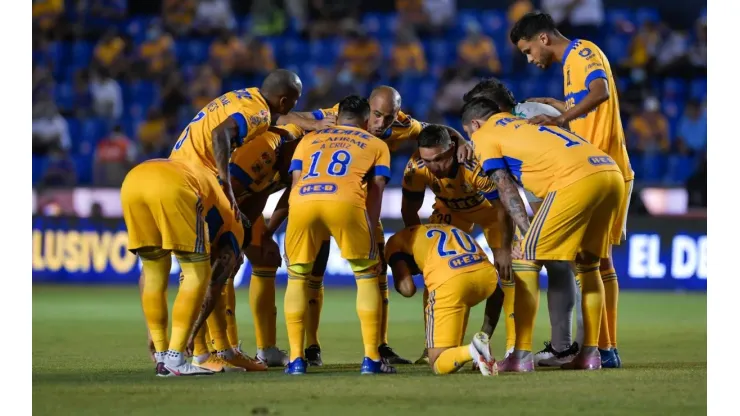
x=318, y=188
x=465, y=260
x=600, y=160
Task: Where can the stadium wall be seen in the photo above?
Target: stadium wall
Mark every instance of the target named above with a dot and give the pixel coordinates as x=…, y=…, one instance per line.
x=661, y=253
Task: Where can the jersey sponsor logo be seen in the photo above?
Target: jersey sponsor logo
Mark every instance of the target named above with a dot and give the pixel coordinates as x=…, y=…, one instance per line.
x=463, y=203
x=263, y=117
x=465, y=260
x=585, y=52
x=318, y=188
x=600, y=160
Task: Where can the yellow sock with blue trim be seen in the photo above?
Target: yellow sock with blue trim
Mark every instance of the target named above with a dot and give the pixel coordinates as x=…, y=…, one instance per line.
x=262, y=302
x=156, y=267
x=315, y=304
x=452, y=360
x=527, y=301
x=383, y=286
x=196, y=270
x=232, y=329
x=592, y=302
x=296, y=302
x=611, y=301
x=368, y=309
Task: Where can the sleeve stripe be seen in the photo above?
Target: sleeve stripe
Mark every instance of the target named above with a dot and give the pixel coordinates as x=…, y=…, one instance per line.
x=491, y=195
x=492, y=164
x=243, y=177
x=599, y=73
x=296, y=164
x=243, y=128
x=380, y=170
x=318, y=114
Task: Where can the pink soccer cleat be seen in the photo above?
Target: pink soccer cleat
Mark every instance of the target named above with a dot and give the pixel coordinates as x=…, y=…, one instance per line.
x=584, y=361
x=511, y=364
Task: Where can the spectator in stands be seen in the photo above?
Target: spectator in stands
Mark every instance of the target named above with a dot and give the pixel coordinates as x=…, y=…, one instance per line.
x=449, y=99
x=440, y=15
x=178, y=16
x=174, y=99
x=46, y=14
x=152, y=134
x=204, y=88
x=361, y=55
x=478, y=52
x=157, y=52
x=577, y=19
x=112, y=10
x=298, y=12
x=225, y=52
x=327, y=90
x=648, y=131
x=106, y=95
x=49, y=129
x=691, y=137
x=114, y=157
x=672, y=59
x=411, y=12
x=407, y=55
x=214, y=16
x=644, y=46
x=256, y=58
x=60, y=171
x=698, y=49
x=109, y=53
x=328, y=17
x=268, y=18
x=82, y=98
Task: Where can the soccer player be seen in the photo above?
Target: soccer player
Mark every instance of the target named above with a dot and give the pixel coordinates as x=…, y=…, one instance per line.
x=165, y=204
x=459, y=276
x=394, y=127
x=339, y=174
x=465, y=196
x=233, y=119
x=581, y=187
x=591, y=109
x=562, y=293
x=259, y=169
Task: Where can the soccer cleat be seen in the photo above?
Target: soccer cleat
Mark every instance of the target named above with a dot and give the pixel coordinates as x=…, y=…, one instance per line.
x=390, y=356
x=511, y=364
x=313, y=356
x=424, y=359
x=273, y=357
x=509, y=352
x=296, y=368
x=370, y=366
x=544, y=354
x=239, y=359
x=609, y=359
x=216, y=364
x=480, y=349
x=619, y=359
x=584, y=361
x=184, y=369
x=562, y=357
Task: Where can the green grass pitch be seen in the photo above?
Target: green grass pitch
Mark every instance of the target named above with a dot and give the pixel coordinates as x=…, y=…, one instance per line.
x=89, y=357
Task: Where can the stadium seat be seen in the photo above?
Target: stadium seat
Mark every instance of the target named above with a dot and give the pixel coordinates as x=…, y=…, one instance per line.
x=615, y=16
x=294, y=50
x=699, y=89
x=674, y=88
x=197, y=51
x=464, y=17
x=84, y=168
x=646, y=14
x=373, y=23
x=439, y=51
x=82, y=52
x=92, y=130
x=38, y=167
x=494, y=23
x=535, y=87
x=654, y=167
x=617, y=47
x=325, y=51
x=64, y=96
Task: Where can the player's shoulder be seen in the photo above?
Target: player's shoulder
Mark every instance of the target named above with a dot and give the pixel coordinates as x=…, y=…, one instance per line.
x=584, y=50
x=528, y=109
x=472, y=168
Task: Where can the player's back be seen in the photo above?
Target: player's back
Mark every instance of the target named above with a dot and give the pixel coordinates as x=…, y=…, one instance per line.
x=336, y=163
x=440, y=251
x=248, y=108
x=583, y=63
x=542, y=158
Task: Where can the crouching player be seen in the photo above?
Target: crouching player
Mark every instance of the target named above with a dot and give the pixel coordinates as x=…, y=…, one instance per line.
x=459, y=276
x=165, y=204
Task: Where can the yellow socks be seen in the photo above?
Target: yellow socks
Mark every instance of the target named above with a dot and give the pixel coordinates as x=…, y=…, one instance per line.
x=217, y=324
x=383, y=285
x=295, y=307
x=196, y=270
x=154, y=296
x=509, y=294
x=262, y=302
x=315, y=304
x=229, y=297
x=369, y=311
x=200, y=347
x=592, y=302
x=452, y=360
x=527, y=301
x=425, y=302
x=611, y=300
x=605, y=342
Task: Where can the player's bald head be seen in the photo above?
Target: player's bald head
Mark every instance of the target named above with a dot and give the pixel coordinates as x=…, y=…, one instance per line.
x=386, y=95
x=385, y=102
x=282, y=89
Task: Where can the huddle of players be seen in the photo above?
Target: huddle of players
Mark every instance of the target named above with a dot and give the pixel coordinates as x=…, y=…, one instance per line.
x=344, y=164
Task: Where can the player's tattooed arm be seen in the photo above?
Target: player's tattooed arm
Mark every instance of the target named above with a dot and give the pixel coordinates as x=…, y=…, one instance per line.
x=223, y=137
x=512, y=202
x=306, y=120
x=221, y=270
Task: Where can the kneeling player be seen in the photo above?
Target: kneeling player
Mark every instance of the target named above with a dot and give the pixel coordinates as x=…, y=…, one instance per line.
x=165, y=204
x=459, y=276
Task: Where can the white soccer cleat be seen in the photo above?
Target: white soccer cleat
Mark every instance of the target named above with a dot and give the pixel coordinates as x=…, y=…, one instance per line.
x=174, y=365
x=273, y=357
x=560, y=358
x=480, y=349
x=545, y=354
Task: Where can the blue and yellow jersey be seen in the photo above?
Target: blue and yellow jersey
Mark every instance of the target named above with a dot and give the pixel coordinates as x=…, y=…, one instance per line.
x=253, y=166
x=541, y=158
x=336, y=163
x=467, y=188
x=247, y=107
x=585, y=62
x=404, y=128
x=440, y=251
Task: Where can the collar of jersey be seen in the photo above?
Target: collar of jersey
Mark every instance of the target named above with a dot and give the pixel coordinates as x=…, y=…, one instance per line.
x=571, y=46
x=387, y=133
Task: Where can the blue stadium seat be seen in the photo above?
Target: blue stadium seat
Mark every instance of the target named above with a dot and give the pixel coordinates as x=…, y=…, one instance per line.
x=143, y=93
x=699, y=89
x=84, y=168
x=614, y=16
x=463, y=18
x=554, y=88
x=245, y=25
x=680, y=168
x=373, y=23
x=673, y=109
x=647, y=14
x=398, y=165
x=38, y=168
x=294, y=50
x=654, y=167
x=92, y=130
x=534, y=87
x=674, y=88
x=64, y=96
x=197, y=51
x=389, y=24
x=617, y=47
x=325, y=51
x=82, y=53
x=440, y=51
x=494, y=23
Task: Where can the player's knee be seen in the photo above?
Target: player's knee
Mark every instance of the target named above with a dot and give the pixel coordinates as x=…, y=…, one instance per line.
x=267, y=272
x=558, y=269
x=300, y=271
x=364, y=268
x=606, y=264
x=152, y=253
x=319, y=266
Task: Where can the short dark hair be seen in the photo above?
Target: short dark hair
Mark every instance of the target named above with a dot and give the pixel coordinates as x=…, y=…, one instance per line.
x=479, y=108
x=494, y=90
x=354, y=107
x=531, y=25
x=434, y=135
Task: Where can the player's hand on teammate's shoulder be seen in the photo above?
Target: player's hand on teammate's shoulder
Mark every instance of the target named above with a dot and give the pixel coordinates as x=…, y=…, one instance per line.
x=465, y=151
x=329, y=119
x=545, y=120
x=541, y=100
x=285, y=134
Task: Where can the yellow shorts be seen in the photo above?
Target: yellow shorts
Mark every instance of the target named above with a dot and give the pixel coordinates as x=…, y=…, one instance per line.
x=466, y=220
x=449, y=306
x=316, y=221
x=619, y=229
x=576, y=218
x=163, y=208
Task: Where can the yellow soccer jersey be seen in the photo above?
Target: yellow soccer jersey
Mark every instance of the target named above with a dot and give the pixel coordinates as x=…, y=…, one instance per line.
x=247, y=107
x=467, y=187
x=253, y=166
x=404, y=128
x=335, y=164
x=440, y=251
x=584, y=62
x=541, y=158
